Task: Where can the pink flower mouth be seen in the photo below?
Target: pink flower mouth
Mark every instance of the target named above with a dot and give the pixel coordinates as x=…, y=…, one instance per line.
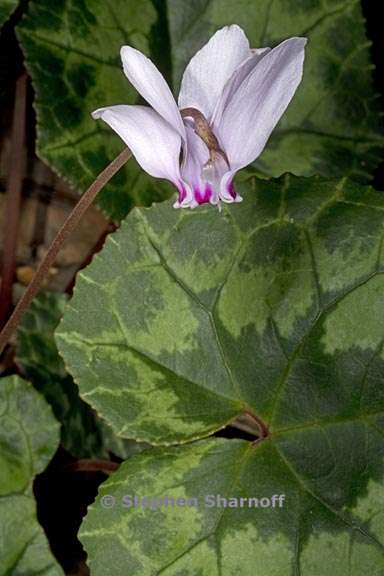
x=205, y=196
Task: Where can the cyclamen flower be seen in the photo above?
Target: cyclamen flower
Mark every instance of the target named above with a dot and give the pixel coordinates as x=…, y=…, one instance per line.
x=230, y=100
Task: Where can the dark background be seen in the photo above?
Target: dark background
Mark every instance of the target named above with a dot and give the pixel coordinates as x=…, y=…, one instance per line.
x=374, y=14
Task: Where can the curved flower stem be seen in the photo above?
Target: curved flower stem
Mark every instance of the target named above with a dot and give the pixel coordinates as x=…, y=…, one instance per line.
x=65, y=231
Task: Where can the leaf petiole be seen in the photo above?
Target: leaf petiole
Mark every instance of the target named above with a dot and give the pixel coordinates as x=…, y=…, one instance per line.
x=248, y=422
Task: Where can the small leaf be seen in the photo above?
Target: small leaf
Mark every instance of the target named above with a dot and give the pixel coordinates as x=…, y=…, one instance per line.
x=331, y=126
x=29, y=436
x=72, y=54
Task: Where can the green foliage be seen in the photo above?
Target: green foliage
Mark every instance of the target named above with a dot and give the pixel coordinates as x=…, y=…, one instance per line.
x=29, y=436
x=6, y=9
x=188, y=318
x=72, y=53
x=331, y=127
x=82, y=432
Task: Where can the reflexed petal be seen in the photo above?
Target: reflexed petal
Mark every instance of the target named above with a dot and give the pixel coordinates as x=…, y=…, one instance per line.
x=208, y=71
x=148, y=81
x=204, y=176
x=227, y=189
x=236, y=80
x=214, y=173
x=257, y=105
x=192, y=169
x=153, y=142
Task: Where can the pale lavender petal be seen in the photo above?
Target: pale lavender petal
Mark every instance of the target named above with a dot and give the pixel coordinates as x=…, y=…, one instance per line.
x=148, y=81
x=259, y=51
x=153, y=142
x=210, y=68
x=257, y=105
x=214, y=173
x=204, y=175
x=227, y=188
x=192, y=169
x=236, y=80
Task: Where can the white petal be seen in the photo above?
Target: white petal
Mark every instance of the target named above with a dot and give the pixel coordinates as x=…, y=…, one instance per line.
x=236, y=80
x=257, y=105
x=153, y=142
x=208, y=71
x=148, y=81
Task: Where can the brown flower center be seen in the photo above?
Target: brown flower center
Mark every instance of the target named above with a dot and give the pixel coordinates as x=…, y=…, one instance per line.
x=204, y=131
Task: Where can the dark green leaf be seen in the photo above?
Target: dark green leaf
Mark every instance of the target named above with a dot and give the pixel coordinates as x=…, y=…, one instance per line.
x=29, y=436
x=72, y=53
x=331, y=127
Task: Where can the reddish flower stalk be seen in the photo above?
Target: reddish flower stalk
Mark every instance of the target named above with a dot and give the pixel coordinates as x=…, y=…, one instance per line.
x=65, y=231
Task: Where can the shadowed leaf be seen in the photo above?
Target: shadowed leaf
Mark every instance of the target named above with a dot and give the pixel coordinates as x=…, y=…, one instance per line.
x=29, y=436
x=72, y=53
x=6, y=9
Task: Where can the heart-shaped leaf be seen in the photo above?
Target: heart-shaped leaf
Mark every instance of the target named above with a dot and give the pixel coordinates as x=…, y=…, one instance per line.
x=272, y=308
x=205, y=315
x=331, y=125
x=29, y=436
x=72, y=53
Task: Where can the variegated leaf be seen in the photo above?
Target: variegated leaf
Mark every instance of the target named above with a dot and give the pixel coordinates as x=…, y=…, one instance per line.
x=187, y=320
x=82, y=432
x=308, y=502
